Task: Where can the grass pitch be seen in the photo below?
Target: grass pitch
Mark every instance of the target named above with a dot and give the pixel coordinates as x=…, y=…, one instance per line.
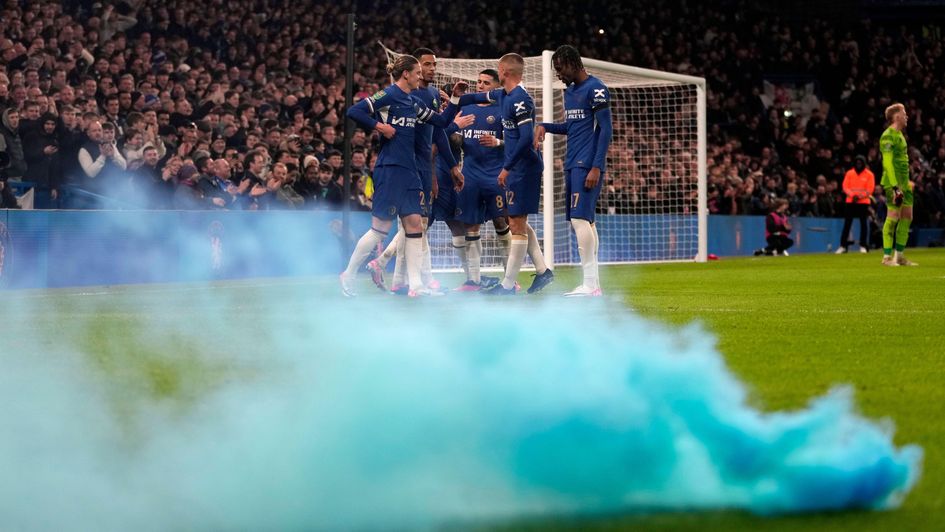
x=790, y=327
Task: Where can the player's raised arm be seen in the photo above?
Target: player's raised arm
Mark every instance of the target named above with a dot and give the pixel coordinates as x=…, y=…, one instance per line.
x=480, y=97
x=443, y=120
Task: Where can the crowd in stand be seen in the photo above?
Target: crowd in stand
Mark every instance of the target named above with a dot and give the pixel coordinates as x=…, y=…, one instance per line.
x=239, y=104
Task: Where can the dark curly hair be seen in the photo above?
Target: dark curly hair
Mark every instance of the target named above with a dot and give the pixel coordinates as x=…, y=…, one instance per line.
x=568, y=55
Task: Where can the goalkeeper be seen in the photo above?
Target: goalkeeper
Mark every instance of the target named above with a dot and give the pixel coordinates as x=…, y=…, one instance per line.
x=896, y=184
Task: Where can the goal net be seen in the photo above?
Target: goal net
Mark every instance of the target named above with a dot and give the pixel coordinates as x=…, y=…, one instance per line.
x=652, y=205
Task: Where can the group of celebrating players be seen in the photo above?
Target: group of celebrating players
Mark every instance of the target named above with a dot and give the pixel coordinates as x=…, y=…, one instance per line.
x=499, y=177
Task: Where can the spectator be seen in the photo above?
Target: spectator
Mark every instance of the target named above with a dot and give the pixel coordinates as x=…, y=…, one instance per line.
x=223, y=179
x=99, y=158
x=152, y=185
x=15, y=166
x=360, y=201
x=187, y=196
x=42, y=160
x=71, y=139
x=132, y=147
x=327, y=193
x=255, y=163
x=282, y=195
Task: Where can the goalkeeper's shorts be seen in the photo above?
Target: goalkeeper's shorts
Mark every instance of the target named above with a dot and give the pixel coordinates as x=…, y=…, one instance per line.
x=907, y=197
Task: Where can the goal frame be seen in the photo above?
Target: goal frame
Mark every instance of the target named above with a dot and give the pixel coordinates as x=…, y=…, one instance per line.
x=546, y=90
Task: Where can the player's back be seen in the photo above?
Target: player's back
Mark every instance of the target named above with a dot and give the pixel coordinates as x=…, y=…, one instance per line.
x=581, y=100
x=482, y=162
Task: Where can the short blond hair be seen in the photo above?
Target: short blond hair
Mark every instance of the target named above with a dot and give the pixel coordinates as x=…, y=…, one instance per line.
x=893, y=110
x=514, y=62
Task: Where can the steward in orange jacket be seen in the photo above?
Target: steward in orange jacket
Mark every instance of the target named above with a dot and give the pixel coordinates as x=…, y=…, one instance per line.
x=859, y=182
x=858, y=186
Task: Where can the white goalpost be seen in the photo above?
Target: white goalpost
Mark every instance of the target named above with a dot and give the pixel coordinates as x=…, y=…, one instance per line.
x=653, y=204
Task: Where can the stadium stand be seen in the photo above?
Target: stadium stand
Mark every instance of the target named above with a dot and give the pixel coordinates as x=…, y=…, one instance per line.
x=182, y=85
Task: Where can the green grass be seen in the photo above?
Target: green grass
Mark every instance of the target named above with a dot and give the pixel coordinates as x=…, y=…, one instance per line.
x=793, y=327
x=790, y=327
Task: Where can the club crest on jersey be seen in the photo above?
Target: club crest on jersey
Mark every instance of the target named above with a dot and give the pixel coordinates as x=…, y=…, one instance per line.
x=490, y=119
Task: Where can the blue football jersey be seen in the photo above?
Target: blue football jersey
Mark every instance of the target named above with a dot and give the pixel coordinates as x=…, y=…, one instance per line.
x=517, y=109
x=429, y=97
x=581, y=101
x=394, y=107
x=402, y=111
x=482, y=162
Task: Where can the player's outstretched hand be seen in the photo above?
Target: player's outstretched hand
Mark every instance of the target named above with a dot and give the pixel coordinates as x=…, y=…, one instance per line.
x=593, y=176
x=459, y=88
x=488, y=141
x=463, y=121
x=458, y=178
x=443, y=96
x=539, y=135
x=385, y=129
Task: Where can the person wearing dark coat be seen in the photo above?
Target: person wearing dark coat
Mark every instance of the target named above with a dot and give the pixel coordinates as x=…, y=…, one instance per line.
x=41, y=150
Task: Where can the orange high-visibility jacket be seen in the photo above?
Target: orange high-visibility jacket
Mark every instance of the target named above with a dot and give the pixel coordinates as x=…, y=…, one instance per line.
x=861, y=184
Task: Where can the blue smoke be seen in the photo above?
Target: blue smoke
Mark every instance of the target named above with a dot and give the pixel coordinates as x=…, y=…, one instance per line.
x=383, y=413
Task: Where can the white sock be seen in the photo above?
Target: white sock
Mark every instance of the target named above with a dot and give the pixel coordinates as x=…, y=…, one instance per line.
x=413, y=255
x=517, y=253
x=504, y=241
x=400, y=264
x=460, y=246
x=596, y=256
x=473, y=256
x=534, y=251
x=391, y=250
x=362, y=250
x=585, y=240
x=426, y=267
x=896, y=255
